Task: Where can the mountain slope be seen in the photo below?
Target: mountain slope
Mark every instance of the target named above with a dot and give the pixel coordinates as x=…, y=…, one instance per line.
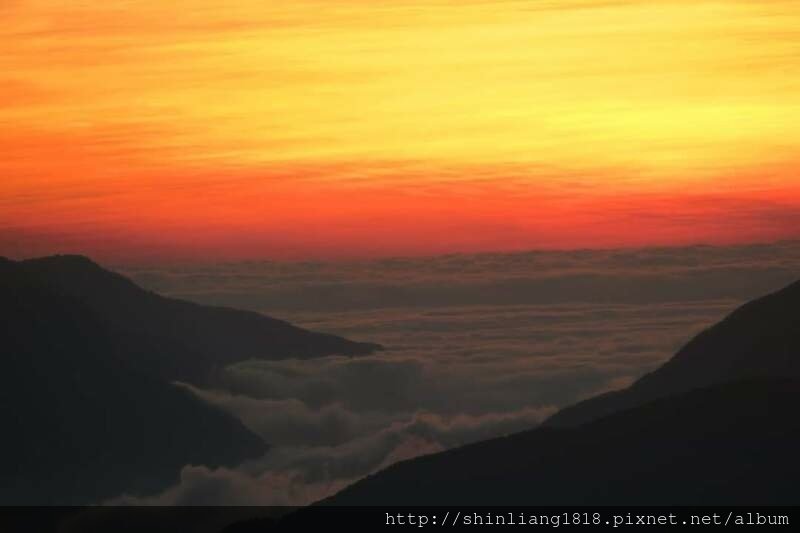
x=79, y=424
x=759, y=339
x=730, y=444
x=87, y=410
x=716, y=424
x=176, y=339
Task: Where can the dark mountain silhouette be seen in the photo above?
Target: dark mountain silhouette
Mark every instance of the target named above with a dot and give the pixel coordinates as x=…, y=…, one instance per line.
x=716, y=424
x=176, y=339
x=87, y=410
x=759, y=339
x=731, y=444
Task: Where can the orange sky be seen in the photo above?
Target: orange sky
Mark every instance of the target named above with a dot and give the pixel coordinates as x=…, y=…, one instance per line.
x=339, y=128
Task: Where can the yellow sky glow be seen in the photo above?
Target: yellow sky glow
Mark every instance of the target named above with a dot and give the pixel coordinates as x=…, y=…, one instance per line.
x=578, y=98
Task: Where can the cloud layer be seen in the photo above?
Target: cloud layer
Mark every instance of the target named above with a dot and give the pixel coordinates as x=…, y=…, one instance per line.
x=477, y=347
x=639, y=276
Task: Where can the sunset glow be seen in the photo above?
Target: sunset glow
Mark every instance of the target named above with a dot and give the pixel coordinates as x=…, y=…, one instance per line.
x=341, y=128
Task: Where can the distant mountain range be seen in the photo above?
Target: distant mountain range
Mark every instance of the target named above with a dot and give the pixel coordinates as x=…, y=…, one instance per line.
x=87, y=407
x=717, y=424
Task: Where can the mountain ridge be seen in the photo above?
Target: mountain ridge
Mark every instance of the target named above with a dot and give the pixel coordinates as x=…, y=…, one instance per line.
x=88, y=408
x=752, y=341
x=688, y=449
x=716, y=424
x=185, y=341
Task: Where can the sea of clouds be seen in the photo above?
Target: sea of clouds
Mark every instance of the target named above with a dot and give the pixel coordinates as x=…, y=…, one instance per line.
x=477, y=346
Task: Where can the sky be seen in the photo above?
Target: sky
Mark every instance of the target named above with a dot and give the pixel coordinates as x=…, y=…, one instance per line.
x=264, y=129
